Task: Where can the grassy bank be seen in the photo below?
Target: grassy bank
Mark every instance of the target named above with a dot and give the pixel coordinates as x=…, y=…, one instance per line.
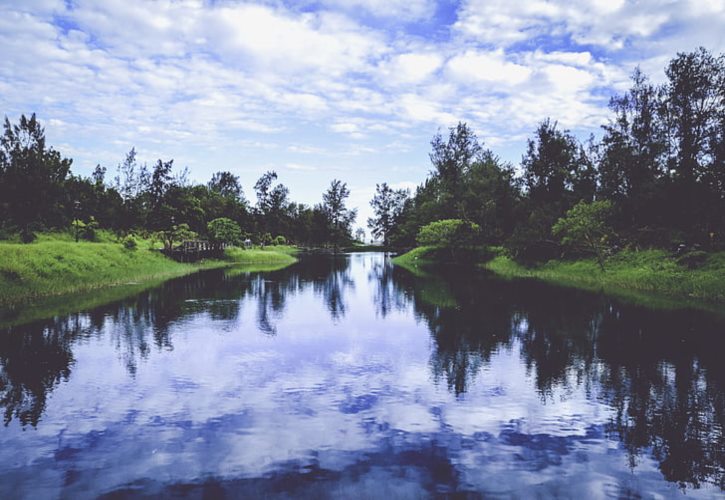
x=54, y=266
x=651, y=271
x=628, y=274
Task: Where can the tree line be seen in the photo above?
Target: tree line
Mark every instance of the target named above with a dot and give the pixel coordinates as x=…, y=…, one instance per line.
x=39, y=192
x=656, y=177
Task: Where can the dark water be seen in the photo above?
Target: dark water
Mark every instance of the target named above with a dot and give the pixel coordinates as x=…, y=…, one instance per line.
x=349, y=378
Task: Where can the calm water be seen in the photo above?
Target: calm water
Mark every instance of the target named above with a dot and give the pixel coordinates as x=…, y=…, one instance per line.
x=345, y=377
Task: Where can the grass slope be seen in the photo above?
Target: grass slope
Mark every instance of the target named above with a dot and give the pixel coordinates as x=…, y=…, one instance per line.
x=56, y=266
x=652, y=271
x=651, y=277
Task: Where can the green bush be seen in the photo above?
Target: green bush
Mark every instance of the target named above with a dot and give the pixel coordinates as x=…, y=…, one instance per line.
x=449, y=233
x=224, y=231
x=280, y=240
x=265, y=239
x=129, y=242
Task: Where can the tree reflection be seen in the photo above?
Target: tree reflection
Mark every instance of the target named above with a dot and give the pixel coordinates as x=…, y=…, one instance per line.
x=36, y=357
x=659, y=370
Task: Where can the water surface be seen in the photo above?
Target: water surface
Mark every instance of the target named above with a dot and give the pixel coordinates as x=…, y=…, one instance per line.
x=347, y=377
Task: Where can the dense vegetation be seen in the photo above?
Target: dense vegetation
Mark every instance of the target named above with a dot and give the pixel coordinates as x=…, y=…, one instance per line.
x=38, y=192
x=655, y=179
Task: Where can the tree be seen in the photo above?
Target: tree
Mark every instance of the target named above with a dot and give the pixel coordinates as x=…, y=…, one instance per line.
x=585, y=227
x=227, y=185
x=360, y=235
x=31, y=177
x=273, y=205
x=387, y=205
x=339, y=217
x=224, y=231
x=556, y=170
x=452, y=159
x=176, y=234
x=449, y=233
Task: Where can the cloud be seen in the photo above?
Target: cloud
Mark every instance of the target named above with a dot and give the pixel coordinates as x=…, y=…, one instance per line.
x=475, y=67
x=407, y=10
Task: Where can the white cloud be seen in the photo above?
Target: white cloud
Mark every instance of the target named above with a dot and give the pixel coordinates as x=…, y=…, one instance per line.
x=411, y=68
x=408, y=10
x=475, y=67
x=609, y=24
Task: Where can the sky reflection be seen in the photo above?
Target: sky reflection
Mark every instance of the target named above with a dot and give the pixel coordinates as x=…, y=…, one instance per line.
x=348, y=377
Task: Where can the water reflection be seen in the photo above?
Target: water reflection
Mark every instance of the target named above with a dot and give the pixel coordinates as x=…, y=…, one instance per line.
x=346, y=374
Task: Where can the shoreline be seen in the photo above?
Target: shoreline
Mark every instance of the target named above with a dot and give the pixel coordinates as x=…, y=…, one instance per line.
x=651, y=277
x=31, y=272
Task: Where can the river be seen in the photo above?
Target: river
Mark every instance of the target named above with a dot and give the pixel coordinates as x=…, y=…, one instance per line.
x=348, y=377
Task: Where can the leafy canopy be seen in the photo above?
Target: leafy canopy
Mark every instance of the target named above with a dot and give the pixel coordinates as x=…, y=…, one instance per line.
x=451, y=233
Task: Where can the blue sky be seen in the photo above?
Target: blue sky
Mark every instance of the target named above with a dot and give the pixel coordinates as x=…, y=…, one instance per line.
x=316, y=90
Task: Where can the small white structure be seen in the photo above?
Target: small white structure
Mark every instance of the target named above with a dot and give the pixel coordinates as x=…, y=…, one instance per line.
x=247, y=244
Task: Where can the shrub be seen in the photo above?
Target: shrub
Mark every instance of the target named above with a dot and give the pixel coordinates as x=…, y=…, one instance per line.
x=85, y=230
x=693, y=259
x=224, y=231
x=585, y=227
x=280, y=240
x=449, y=233
x=129, y=242
x=265, y=239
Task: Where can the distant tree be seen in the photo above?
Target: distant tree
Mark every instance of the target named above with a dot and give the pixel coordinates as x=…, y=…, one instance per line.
x=99, y=176
x=224, y=231
x=584, y=227
x=227, y=185
x=31, y=177
x=387, y=206
x=360, y=235
x=339, y=217
x=273, y=204
x=161, y=177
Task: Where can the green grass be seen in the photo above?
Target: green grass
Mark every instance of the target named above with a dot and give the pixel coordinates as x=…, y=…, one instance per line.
x=649, y=271
x=56, y=265
x=649, y=277
x=418, y=257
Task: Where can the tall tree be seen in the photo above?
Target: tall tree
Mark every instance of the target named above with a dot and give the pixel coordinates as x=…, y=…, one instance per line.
x=273, y=204
x=339, y=217
x=226, y=184
x=31, y=177
x=452, y=159
x=387, y=206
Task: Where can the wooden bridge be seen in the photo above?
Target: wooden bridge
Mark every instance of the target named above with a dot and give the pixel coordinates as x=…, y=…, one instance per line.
x=194, y=250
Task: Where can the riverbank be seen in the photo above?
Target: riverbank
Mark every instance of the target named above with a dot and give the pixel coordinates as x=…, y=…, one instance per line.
x=55, y=267
x=647, y=271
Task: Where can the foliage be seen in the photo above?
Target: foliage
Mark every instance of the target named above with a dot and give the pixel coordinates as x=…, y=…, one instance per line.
x=176, y=234
x=449, y=233
x=224, y=231
x=31, y=177
x=339, y=217
x=265, y=239
x=85, y=230
x=387, y=206
x=280, y=240
x=129, y=242
x=585, y=227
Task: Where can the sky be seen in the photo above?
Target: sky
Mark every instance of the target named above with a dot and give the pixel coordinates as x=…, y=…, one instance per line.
x=323, y=89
